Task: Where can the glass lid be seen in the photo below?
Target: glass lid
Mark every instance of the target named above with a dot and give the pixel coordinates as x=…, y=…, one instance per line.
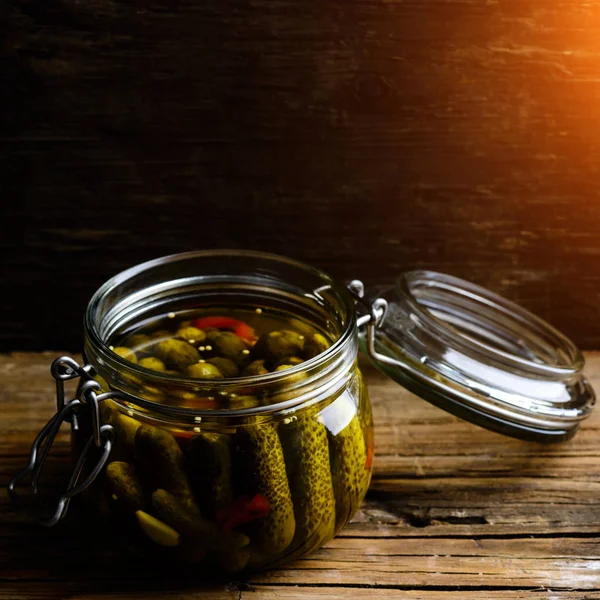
x=476, y=355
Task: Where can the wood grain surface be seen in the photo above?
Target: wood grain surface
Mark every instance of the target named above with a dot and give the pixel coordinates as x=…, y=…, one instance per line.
x=366, y=137
x=454, y=512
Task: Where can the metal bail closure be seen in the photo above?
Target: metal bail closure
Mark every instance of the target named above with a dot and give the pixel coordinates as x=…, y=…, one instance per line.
x=476, y=355
x=64, y=369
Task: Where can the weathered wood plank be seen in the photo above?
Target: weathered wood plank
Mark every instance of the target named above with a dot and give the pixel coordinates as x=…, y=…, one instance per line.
x=40, y=591
x=300, y=593
x=561, y=562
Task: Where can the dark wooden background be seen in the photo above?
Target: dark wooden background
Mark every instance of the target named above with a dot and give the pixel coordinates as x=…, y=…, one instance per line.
x=364, y=136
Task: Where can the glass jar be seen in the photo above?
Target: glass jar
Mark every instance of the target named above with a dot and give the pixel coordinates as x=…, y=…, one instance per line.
x=244, y=473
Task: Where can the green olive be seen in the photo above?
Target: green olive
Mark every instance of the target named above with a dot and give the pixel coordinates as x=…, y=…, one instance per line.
x=177, y=354
x=203, y=370
x=152, y=363
x=126, y=353
x=193, y=335
x=225, y=365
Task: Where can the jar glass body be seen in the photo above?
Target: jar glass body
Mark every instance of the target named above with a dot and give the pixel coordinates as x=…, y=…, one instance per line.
x=266, y=480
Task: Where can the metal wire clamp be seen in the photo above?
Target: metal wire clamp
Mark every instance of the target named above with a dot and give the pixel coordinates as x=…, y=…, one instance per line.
x=64, y=369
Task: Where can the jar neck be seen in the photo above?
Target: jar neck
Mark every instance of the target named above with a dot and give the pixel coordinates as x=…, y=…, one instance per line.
x=173, y=283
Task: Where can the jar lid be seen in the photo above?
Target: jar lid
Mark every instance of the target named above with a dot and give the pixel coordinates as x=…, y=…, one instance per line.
x=477, y=355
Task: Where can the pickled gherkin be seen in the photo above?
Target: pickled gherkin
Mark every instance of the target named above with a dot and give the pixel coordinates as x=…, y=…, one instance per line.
x=306, y=451
x=227, y=367
x=125, y=484
x=192, y=525
x=162, y=461
x=209, y=465
x=349, y=469
x=261, y=453
x=177, y=354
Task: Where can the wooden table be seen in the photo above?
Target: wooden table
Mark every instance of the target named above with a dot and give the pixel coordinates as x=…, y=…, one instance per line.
x=454, y=512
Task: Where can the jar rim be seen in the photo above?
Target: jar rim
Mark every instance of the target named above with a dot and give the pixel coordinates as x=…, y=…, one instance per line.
x=114, y=361
x=475, y=300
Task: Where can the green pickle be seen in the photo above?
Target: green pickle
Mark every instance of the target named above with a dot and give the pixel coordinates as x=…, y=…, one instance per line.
x=193, y=526
x=306, y=451
x=231, y=492
x=209, y=461
x=125, y=484
x=348, y=456
x=262, y=455
x=162, y=461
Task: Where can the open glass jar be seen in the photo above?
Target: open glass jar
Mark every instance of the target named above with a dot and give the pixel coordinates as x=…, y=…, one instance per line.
x=246, y=472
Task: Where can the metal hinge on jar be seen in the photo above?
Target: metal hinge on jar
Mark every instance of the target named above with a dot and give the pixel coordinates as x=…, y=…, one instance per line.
x=373, y=318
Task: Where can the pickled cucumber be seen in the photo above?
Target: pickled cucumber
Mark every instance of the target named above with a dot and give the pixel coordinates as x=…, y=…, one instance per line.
x=192, y=335
x=348, y=465
x=177, y=354
x=227, y=367
x=229, y=345
x=126, y=353
x=153, y=363
x=306, y=451
x=162, y=461
x=203, y=370
x=209, y=468
x=125, y=428
x=261, y=453
x=256, y=367
x=276, y=345
x=315, y=345
x=125, y=485
x=193, y=526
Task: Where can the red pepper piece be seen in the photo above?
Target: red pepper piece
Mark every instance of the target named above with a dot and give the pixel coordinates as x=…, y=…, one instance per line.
x=240, y=328
x=245, y=332
x=218, y=322
x=243, y=510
